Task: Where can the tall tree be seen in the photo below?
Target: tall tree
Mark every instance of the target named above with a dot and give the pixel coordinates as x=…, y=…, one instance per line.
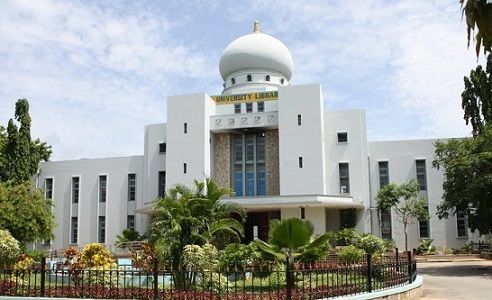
x=478, y=15
x=467, y=166
x=404, y=200
x=476, y=99
x=19, y=154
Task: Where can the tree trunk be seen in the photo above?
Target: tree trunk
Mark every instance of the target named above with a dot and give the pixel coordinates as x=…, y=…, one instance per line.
x=405, y=231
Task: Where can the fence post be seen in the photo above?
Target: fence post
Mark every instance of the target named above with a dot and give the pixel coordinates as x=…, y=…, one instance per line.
x=155, y=276
x=410, y=273
x=43, y=276
x=369, y=272
x=289, y=279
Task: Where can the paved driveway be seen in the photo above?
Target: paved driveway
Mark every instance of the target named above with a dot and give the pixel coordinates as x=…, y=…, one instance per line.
x=457, y=280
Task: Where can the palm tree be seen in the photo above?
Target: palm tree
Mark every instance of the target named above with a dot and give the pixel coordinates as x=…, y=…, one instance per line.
x=128, y=238
x=196, y=216
x=478, y=15
x=292, y=240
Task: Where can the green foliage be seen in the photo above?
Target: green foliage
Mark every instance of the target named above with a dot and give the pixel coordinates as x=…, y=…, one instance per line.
x=293, y=240
x=25, y=213
x=126, y=238
x=371, y=244
x=426, y=247
x=478, y=15
x=193, y=217
x=19, y=154
x=406, y=203
x=9, y=248
x=36, y=255
x=389, y=245
x=476, y=99
x=236, y=255
x=467, y=248
x=467, y=165
x=350, y=255
x=347, y=236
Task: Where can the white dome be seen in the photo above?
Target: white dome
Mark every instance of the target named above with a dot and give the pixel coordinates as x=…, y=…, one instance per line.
x=256, y=51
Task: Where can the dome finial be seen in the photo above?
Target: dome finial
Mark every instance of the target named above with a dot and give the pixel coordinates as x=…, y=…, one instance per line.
x=256, y=26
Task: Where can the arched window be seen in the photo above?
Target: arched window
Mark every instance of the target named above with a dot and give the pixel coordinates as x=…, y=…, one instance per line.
x=282, y=81
x=233, y=81
x=267, y=78
x=249, y=77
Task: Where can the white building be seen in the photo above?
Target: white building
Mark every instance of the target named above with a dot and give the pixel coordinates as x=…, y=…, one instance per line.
x=272, y=142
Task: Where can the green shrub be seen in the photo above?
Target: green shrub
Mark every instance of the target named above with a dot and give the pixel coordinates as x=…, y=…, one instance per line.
x=236, y=256
x=347, y=237
x=370, y=244
x=426, y=247
x=9, y=248
x=36, y=255
x=389, y=245
x=467, y=248
x=350, y=255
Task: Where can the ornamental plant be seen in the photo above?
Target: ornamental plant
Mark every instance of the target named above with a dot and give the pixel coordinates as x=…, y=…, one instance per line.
x=96, y=255
x=371, y=244
x=350, y=255
x=9, y=248
x=346, y=237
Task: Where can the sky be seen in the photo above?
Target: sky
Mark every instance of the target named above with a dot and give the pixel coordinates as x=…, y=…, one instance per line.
x=96, y=72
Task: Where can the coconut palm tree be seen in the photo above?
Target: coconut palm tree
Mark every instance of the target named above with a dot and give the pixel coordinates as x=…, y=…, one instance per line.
x=478, y=14
x=196, y=216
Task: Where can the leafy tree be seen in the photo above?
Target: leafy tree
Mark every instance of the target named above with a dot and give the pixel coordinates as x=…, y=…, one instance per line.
x=19, y=154
x=478, y=15
x=405, y=201
x=292, y=240
x=25, y=213
x=467, y=165
x=193, y=217
x=476, y=99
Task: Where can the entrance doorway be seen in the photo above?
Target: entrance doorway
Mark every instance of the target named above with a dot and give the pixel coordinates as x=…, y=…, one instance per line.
x=257, y=224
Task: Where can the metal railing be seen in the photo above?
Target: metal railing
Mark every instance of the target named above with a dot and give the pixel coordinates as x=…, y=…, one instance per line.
x=320, y=279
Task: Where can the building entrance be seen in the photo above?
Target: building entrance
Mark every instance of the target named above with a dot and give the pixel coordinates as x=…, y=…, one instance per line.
x=257, y=224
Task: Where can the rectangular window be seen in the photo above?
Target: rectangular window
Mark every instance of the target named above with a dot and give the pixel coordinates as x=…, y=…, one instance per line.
x=300, y=161
x=132, y=187
x=185, y=127
x=102, y=229
x=185, y=168
x=237, y=108
x=162, y=183
x=303, y=213
x=48, y=188
x=421, y=174
x=249, y=107
x=102, y=188
x=461, y=223
x=130, y=222
x=261, y=106
x=74, y=230
x=386, y=225
x=383, y=168
x=424, y=231
x=162, y=147
x=299, y=120
x=343, y=171
x=342, y=137
x=75, y=189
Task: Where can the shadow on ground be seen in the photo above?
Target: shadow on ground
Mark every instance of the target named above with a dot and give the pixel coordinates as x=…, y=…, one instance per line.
x=456, y=270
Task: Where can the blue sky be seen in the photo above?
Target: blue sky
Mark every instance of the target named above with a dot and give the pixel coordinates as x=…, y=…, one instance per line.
x=96, y=72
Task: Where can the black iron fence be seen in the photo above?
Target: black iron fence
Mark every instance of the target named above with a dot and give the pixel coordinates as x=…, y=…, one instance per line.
x=320, y=279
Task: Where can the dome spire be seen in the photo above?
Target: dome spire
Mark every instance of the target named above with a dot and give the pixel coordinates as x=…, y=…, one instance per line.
x=256, y=26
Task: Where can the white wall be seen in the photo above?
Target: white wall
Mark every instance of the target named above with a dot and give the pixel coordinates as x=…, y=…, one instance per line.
x=193, y=147
x=304, y=141
x=401, y=156
x=117, y=170
x=154, y=162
